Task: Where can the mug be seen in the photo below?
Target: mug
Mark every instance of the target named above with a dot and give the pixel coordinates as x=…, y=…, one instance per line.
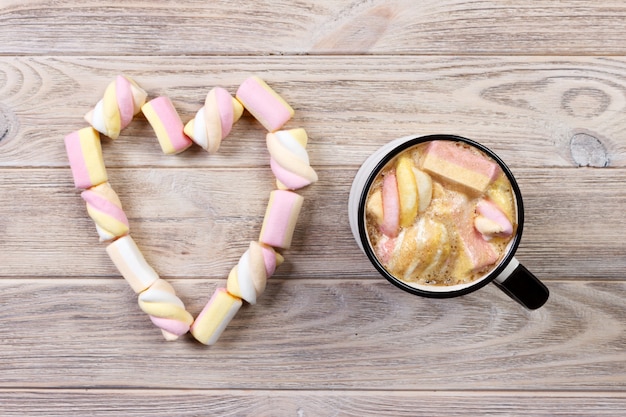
x=507, y=273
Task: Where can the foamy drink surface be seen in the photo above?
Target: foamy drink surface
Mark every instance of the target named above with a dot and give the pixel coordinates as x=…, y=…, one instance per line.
x=440, y=213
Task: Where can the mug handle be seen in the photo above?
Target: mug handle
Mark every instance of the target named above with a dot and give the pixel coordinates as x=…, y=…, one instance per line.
x=521, y=285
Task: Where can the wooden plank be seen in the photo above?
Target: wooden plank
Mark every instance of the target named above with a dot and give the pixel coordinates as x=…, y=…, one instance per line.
x=197, y=222
x=534, y=111
x=139, y=27
x=311, y=335
x=99, y=403
x=542, y=84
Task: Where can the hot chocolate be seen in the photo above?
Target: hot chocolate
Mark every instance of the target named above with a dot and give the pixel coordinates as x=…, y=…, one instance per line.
x=440, y=213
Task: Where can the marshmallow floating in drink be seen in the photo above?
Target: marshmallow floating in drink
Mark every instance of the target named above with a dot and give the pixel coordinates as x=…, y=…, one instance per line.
x=391, y=205
x=374, y=206
x=419, y=250
x=165, y=121
x=280, y=218
x=84, y=152
x=460, y=165
x=122, y=100
x=214, y=121
x=491, y=221
x=415, y=188
x=105, y=208
x=247, y=279
x=165, y=309
x=432, y=226
x=270, y=109
x=215, y=316
x=476, y=253
x=458, y=236
x=289, y=159
x=406, y=192
x=424, y=189
x=499, y=193
x=132, y=265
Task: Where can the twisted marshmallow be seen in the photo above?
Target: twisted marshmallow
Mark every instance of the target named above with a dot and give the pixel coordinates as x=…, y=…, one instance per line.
x=247, y=279
x=105, y=208
x=165, y=309
x=214, y=121
x=491, y=221
x=156, y=297
x=289, y=159
x=122, y=100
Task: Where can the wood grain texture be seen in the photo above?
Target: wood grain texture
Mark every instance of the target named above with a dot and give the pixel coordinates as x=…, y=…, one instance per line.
x=102, y=403
x=317, y=335
x=141, y=27
x=533, y=111
x=195, y=223
x=543, y=83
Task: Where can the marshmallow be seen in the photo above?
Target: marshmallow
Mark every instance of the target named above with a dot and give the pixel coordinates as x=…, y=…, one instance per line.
x=215, y=316
x=500, y=193
x=419, y=250
x=374, y=206
x=167, y=125
x=270, y=109
x=105, y=208
x=460, y=165
x=408, y=195
x=391, y=206
x=280, y=219
x=475, y=252
x=289, y=159
x=84, y=152
x=122, y=100
x=424, y=188
x=214, y=121
x=130, y=262
x=491, y=221
x=247, y=279
x=165, y=309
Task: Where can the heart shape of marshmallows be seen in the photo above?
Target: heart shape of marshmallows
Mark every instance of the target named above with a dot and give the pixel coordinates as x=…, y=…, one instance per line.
x=289, y=161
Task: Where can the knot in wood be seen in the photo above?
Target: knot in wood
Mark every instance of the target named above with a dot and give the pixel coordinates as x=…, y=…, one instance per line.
x=6, y=122
x=588, y=151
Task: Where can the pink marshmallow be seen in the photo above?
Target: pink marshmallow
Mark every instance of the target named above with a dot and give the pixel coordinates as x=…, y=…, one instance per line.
x=167, y=125
x=172, y=326
x=102, y=204
x=391, y=206
x=271, y=110
x=280, y=219
x=480, y=252
x=269, y=258
x=125, y=100
x=84, y=152
x=223, y=101
x=458, y=164
x=290, y=180
x=502, y=226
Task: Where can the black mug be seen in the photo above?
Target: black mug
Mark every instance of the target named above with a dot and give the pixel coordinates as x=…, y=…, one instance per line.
x=508, y=274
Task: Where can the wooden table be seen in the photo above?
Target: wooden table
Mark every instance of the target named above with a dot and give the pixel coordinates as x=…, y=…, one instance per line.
x=543, y=83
